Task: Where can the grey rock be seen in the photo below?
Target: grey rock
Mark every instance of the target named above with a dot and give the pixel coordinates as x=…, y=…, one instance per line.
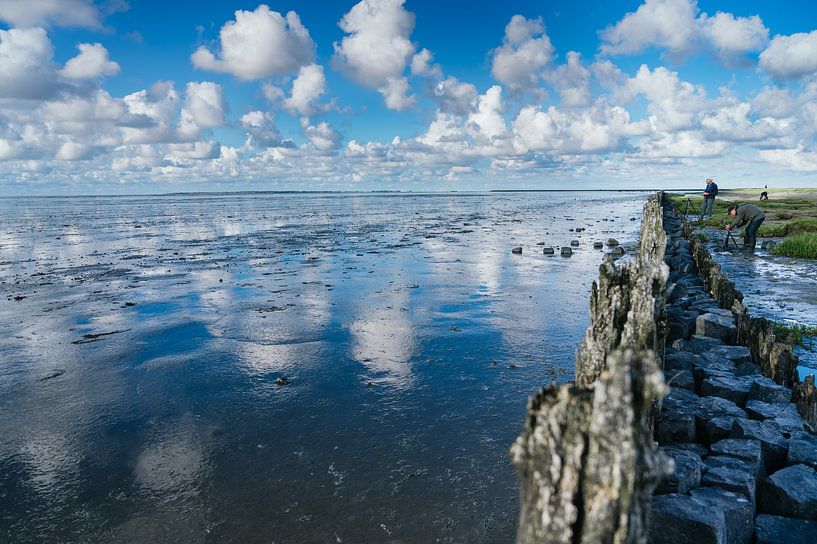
x=723, y=312
x=716, y=326
x=567, y=252
x=516, y=250
x=680, y=360
x=598, y=245
x=728, y=387
x=788, y=424
x=755, y=468
x=617, y=251
x=698, y=449
x=759, y=410
x=574, y=243
x=717, y=429
x=612, y=242
x=675, y=426
x=680, y=519
x=680, y=378
x=780, y=530
x=772, y=443
x=790, y=492
x=730, y=479
x=681, y=323
x=707, y=408
x=768, y=391
x=747, y=449
x=709, y=366
x=686, y=474
x=738, y=354
x=803, y=450
x=548, y=250
x=738, y=512
x=697, y=344
x=748, y=369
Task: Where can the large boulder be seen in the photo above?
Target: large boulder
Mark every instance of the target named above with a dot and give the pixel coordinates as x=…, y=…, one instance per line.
x=790, y=492
x=707, y=408
x=727, y=387
x=772, y=443
x=741, y=448
x=803, y=450
x=716, y=326
x=716, y=429
x=675, y=426
x=681, y=519
x=754, y=468
x=731, y=479
x=685, y=476
x=780, y=530
x=680, y=360
x=738, y=354
x=759, y=410
x=767, y=390
x=737, y=511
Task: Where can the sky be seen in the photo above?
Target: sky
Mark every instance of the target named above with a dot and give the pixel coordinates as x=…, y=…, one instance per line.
x=142, y=96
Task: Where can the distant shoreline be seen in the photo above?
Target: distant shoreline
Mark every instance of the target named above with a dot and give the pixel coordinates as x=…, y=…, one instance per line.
x=359, y=193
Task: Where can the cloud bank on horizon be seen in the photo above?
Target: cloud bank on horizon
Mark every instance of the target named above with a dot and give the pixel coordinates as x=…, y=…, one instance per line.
x=258, y=100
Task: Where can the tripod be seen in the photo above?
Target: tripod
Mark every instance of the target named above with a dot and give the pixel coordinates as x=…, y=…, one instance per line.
x=687, y=209
x=730, y=237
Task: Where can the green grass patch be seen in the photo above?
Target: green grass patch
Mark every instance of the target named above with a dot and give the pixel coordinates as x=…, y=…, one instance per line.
x=802, y=225
x=772, y=230
x=796, y=334
x=783, y=215
x=803, y=246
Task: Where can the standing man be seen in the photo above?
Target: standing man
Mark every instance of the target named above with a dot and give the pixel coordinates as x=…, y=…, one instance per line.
x=710, y=193
x=743, y=214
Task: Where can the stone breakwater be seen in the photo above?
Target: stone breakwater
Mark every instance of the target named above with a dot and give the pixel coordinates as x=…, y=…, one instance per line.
x=745, y=463
x=722, y=455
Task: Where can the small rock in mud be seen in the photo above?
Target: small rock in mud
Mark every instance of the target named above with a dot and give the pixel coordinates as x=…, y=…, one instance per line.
x=567, y=252
x=612, y=242
x=548, y=251
x=516, y=250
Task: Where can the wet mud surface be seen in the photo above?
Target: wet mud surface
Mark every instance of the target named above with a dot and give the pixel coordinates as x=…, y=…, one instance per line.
x=283, y=368
x=782, y=289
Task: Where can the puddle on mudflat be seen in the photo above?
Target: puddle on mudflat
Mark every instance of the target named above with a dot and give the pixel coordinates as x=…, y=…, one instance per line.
x=296, y=368
x=781, y=289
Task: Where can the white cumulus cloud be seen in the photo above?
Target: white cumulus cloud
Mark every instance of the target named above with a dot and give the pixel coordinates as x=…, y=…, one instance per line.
x=204, y=108
x=92, y=61
x=678, y=27
x=524, y=52
x=259, y=44
x=29, y=13
x=791, y=57
x=26, y=64
x=307, y=88
x=377, y=48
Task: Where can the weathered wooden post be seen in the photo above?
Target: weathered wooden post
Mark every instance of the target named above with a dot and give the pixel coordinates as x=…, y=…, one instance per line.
x=586, y=457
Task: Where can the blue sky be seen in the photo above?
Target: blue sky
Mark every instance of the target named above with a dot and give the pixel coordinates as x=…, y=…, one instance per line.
x=148, y=96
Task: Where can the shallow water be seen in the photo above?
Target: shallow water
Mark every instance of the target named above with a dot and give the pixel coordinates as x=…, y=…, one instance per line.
x=142, y=339
x=781, y=289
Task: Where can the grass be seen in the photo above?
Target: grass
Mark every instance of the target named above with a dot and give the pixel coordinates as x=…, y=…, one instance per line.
x=796, y=334
x=802, y=246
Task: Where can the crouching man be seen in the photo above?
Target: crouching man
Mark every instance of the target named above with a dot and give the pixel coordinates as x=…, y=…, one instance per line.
x=752, y=217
